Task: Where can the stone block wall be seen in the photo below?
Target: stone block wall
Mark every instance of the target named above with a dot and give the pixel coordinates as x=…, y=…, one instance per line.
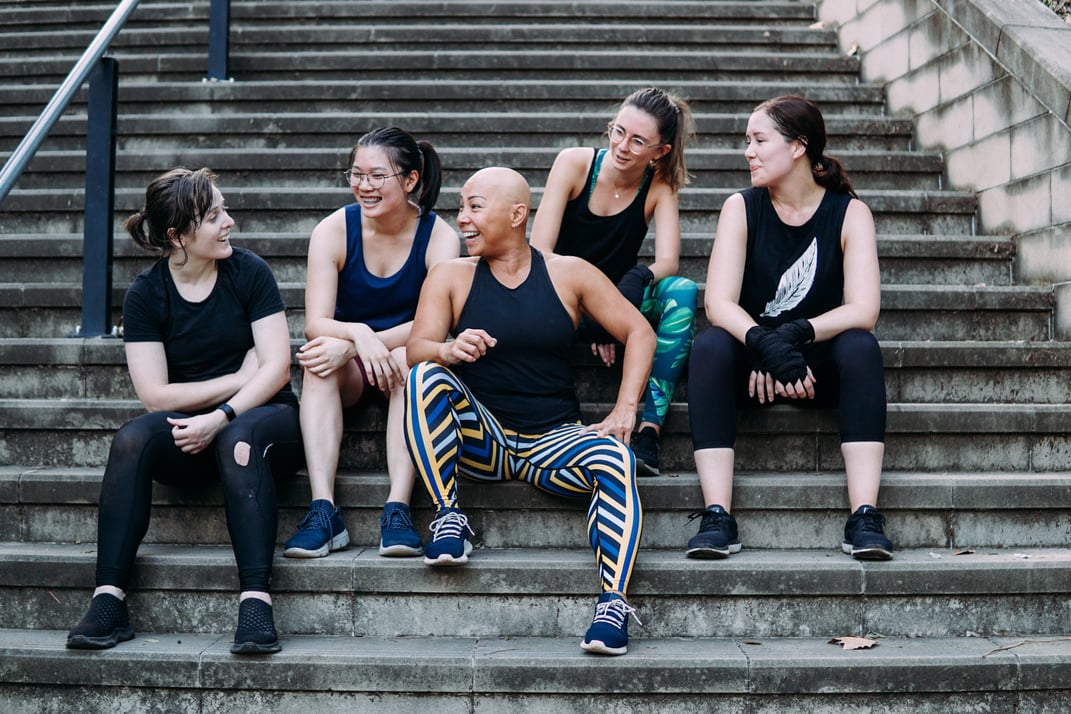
x=987, y=82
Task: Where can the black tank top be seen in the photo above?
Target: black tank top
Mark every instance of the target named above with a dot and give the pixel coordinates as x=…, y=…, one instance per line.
x=610, y=243
x=792, y=271
x=525, y=380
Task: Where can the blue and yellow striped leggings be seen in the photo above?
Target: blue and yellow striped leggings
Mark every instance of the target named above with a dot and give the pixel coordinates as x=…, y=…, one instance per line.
x=449, y=433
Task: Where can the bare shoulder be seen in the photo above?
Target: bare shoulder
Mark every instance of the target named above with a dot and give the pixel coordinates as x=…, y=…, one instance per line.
x=331, y=227
x=575, y=157
x=453, y=269
x=857, y=210
x=570, y=268
x=444, y=242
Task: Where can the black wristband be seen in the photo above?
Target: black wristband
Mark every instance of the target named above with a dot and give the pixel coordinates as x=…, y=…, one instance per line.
x=228, y=410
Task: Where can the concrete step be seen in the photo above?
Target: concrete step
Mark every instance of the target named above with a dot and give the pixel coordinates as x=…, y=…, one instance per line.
x=297, y=209
x=454, y=675
x=782, y=512
x=549, y=593
x=323, y=167
x=904, y=259
x=42, y=14
x=657, y=66
x=917, y=372
x=924, y=437
x=909, y=312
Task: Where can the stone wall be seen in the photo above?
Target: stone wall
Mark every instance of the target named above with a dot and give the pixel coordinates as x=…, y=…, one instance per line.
x=988, y=82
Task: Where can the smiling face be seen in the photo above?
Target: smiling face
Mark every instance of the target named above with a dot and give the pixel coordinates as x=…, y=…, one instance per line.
x=636, y=124
x=494, y=206
x=770, y=156
x=210, y=238
x=393, y=195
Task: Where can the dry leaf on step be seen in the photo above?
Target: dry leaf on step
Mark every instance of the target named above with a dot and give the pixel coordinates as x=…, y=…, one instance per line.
x=854, y=643
x=853, y=50
x=967, y=551
x=816, y=26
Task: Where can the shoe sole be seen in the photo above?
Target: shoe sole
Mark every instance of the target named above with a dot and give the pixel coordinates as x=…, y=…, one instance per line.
x=599, y=647
x=337, y=543
x=399, y=551
x=644, y=469
x=247, y=648
x=447, y=559
x=866, y=553
x=713, y=553
x=84, y=642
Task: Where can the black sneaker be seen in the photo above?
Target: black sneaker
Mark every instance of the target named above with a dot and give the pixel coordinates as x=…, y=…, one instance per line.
x=645, y=445
x=256, y=629
x=864, y=535
x=717, y=536
x=105, y=625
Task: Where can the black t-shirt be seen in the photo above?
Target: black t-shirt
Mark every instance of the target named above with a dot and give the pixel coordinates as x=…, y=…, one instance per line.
x=207, y=339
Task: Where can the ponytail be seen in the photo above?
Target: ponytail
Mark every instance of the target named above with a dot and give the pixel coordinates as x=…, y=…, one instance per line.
x=430, y=177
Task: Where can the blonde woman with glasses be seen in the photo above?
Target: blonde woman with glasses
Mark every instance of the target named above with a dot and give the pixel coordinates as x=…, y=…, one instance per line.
x=367, y=262
x=597, y=205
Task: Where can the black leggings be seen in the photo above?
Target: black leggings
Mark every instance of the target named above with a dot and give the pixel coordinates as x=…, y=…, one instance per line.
x=144, y=451
x=848, y=371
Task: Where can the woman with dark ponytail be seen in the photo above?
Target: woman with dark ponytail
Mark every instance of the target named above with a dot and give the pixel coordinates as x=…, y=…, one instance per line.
x=367, y=262
x=208, y=351
x=597, y=205
x=793, y=294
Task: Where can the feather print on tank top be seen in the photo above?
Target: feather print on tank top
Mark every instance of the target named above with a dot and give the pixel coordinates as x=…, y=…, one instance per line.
x=795, y=282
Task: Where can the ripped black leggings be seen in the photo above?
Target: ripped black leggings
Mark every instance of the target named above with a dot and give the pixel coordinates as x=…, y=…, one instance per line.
x=848, y=370
x=143, y=451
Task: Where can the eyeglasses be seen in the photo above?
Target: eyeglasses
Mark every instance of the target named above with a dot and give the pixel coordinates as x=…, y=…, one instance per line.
x=374, y=180
x=636, y=145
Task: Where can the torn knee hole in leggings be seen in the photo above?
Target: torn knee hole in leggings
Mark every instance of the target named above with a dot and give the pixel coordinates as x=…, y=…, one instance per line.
x=241, y=453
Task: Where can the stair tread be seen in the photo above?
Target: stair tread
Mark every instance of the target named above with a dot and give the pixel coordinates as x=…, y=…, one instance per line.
x=484, y=665
x=544, y=571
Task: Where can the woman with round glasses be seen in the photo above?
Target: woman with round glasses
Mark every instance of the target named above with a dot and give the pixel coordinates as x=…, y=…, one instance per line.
x=367, y=262
x=597, y=205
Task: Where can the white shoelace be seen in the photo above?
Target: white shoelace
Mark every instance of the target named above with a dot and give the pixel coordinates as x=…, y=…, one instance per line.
x=452, y=525
x=614, y=613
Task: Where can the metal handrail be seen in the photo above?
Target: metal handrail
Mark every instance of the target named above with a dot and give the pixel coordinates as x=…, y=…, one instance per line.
x=58, y=104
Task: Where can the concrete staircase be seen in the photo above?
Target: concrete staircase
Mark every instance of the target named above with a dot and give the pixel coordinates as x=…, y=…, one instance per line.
x=973, y=614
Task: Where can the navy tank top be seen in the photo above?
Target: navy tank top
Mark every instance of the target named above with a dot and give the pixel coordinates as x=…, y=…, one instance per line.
x=792, y=271
x=610, y=243
x=525, y=380
x=380, y=303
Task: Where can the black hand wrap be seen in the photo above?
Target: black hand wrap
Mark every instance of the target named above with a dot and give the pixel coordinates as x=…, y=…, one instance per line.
x=633, y=282
x=774, y=354
x=797, y=333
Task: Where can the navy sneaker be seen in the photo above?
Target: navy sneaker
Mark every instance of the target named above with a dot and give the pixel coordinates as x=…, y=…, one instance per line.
x=320, y=532
x=397, y=535
x=608, y=634
x=646, y=445
x=448, y=544
x=105, y=625
x=256, y=629
x=864, y=535
x=717, y=536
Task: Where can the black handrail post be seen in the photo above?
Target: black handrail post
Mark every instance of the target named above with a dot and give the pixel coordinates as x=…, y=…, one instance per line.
x=100, y=199
x=219, y=32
